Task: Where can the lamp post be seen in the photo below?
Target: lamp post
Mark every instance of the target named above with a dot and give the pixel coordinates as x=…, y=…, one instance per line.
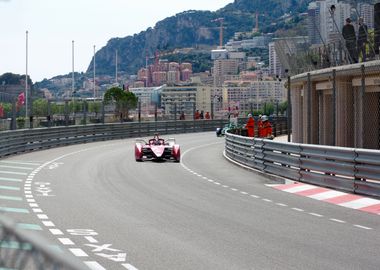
x=26, y=77
x=94, y=76
x=116, y=66
x=72, y=75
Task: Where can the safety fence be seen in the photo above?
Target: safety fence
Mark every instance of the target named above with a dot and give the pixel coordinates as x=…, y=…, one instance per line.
x=348, y=169
x=21, y=250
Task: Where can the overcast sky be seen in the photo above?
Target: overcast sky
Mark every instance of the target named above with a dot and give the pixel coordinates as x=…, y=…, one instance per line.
x=53, y=24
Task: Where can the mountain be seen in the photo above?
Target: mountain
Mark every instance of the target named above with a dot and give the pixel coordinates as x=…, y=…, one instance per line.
x=197, y=29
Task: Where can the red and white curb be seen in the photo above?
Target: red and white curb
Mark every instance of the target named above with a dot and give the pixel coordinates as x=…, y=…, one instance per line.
x=332, y=196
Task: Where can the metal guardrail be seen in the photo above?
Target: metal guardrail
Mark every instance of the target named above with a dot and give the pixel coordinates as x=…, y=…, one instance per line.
x=18, y=141
x=348, y=169
x=21, y=250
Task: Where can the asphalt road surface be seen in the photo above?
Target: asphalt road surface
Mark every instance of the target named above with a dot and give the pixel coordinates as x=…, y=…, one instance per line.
x=203, y=213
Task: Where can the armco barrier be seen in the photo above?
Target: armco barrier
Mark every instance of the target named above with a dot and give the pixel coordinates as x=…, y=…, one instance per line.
x=19, y=250
x=348, y=169
x=13, y=142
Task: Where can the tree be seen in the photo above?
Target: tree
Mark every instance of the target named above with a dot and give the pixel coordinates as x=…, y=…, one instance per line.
x=123, y=100
x=40, y=107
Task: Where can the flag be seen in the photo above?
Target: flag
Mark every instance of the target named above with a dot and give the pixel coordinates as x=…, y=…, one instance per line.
x=21, y=99
x=1, y=110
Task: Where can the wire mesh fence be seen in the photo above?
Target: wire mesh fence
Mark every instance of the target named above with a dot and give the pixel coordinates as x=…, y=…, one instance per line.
x=48, y=113
x=339, y=106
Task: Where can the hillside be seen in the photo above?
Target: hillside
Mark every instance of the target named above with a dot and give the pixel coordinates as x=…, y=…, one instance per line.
x=193, y=29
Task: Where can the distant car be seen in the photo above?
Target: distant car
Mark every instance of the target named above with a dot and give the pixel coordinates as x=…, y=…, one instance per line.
x=157, y=149
x=222, y=130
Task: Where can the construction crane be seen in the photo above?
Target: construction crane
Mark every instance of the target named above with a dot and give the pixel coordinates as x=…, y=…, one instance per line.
x=221, y=21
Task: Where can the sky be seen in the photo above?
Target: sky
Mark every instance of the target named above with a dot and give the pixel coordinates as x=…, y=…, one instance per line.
x=52, y=25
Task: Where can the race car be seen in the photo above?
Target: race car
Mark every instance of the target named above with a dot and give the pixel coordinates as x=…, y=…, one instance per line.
x=157, y=149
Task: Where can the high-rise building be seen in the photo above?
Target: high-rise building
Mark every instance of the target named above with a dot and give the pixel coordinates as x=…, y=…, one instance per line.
x=366, y=11
x=223, y=68
x=275, y=67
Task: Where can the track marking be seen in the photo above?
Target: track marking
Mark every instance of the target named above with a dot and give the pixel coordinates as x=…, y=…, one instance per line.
x=267, y=200
x=16, y=173
x=255, y=196
x=66, y=241
x=337, y=220
x=48, y=223
x=78, y=252
x=234, y=189
x=129, y=266
x=281, y=204
x=10, y=179
x=362, y=227
x=14, y=210
x=10, y=188
x=94, y=265
x=91, y=239
x=315, y=214
x=298, y=209
x=42, y=216
x=10, y=198
x=16, y=167
x=56, y=231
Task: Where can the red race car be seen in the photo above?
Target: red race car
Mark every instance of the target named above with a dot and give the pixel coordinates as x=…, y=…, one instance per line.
x=157, y=149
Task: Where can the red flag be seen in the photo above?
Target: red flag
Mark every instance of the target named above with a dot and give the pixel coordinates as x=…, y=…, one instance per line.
x=21, y=98
x=1, y=111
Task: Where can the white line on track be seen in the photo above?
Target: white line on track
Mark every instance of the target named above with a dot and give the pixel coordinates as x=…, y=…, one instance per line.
x=48, y=223
x=298, y=209
x=337, y=220
x=315, y=214
x=78, y=252
x=129, y=266
x=66, y=241
x=267, y=200
x=91, y=239
x=281, y=204
x=362, y=227
x=56, y=231
x=94, y=265
x=42, y=216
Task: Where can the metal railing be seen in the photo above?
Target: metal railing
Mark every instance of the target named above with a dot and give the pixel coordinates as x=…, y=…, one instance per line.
x=348, y=169
x=21, y=250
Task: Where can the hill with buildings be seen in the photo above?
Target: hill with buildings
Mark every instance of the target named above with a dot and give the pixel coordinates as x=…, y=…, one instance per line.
x=198, y=29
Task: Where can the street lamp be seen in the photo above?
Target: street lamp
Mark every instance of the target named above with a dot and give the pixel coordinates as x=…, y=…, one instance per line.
x=26, y=77
x=72, y=75
x=94, y=76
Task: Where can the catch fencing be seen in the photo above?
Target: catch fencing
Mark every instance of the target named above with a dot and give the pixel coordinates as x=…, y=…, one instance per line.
x=348, y=169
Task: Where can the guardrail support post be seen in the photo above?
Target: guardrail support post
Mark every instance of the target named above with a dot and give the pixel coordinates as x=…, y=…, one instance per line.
x=139, y=108
x=103, y=112
x=14, y=116
x=49, y=113
x=289, y=110
x=155, y=112
x=334, y=107
x=84, y=112
x=66, y=113
x=308, y=102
